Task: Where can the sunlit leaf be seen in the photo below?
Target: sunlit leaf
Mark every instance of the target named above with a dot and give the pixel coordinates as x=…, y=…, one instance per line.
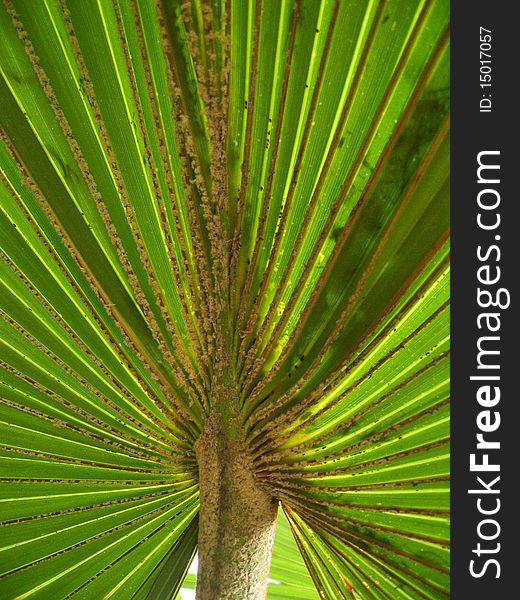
x=262, y=180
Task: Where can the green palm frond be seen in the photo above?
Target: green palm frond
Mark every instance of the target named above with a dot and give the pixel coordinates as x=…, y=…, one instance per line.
x=264, y=181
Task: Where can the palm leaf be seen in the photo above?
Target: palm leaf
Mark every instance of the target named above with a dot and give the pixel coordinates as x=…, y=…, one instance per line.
x=287, y=161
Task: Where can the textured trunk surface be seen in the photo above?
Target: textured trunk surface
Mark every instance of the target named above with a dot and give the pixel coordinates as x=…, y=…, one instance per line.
x=237, y=519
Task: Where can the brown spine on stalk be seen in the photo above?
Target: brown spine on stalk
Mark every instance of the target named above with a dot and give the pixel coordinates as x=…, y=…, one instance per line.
x=237, y=518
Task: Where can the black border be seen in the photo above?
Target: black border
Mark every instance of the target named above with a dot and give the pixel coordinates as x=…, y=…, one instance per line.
x=472, y=132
